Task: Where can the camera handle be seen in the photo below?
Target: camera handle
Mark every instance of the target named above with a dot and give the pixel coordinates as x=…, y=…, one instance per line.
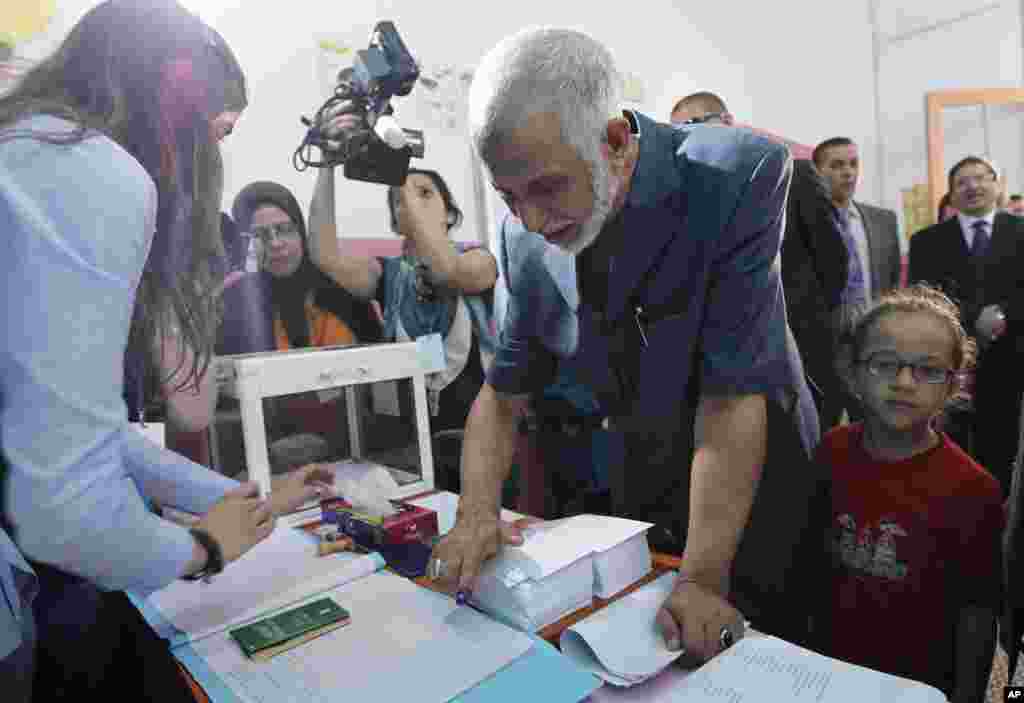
x=390, y=132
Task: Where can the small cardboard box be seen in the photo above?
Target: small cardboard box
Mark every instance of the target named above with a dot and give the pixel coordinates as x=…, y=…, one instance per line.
x=410, y=524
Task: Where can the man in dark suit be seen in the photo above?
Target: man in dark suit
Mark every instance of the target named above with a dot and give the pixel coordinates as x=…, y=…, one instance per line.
x=815, y=262
x=871, y=236
x=815, y=267
x=977, y=258
x=874, y=230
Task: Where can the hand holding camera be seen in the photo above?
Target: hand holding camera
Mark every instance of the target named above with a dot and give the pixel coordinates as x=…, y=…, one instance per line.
x=342, y=123
x=355, y=127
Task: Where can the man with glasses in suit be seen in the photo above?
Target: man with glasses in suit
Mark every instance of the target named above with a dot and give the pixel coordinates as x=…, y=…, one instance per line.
x=977, y=258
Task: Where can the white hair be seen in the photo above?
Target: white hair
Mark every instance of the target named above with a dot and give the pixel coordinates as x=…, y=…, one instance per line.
x=560, y=71
x=544, y=69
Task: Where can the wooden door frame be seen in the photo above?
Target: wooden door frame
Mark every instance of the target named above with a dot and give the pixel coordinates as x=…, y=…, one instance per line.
x=935, y=102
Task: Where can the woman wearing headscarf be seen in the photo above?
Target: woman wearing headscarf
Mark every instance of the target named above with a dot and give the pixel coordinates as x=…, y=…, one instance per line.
x=286, y=303
x=307, y=309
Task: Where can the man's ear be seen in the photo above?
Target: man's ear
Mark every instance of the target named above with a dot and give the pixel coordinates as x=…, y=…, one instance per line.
x=621, y=142
x=728, y=119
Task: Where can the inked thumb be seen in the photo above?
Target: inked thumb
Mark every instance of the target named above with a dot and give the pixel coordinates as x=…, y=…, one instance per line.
x=669, y=629
x=510, y=534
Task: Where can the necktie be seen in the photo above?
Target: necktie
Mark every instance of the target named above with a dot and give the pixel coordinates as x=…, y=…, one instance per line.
x=981, y=239
x=853, y=294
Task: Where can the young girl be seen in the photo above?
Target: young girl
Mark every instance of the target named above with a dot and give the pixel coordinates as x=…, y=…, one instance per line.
x=916, y=522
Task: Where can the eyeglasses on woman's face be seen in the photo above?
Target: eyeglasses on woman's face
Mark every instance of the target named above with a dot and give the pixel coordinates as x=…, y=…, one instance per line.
x=268, y=234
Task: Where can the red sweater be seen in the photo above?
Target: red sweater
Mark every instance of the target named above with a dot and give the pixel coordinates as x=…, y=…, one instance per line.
x=915, y=542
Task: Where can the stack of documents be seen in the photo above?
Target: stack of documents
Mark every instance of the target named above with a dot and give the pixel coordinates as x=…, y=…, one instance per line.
x=560, y=567
x=621, y=643
x=621, y=553
x=623, y=646
x=530, y=588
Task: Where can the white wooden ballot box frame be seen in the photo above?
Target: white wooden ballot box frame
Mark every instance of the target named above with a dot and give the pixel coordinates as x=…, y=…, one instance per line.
x=252, y=378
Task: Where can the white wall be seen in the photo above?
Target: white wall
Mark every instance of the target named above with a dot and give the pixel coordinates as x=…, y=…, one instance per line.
x=771, y=70
x=1006, y=141
x=797, y=68
x=931, y=45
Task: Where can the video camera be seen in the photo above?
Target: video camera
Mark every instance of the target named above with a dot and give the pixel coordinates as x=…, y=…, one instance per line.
x=380, y=154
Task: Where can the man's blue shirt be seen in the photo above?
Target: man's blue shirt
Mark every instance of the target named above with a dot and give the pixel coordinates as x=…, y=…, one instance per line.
x=702, y=230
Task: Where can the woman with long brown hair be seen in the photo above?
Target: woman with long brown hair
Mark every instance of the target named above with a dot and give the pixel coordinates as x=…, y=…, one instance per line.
x=109, y=205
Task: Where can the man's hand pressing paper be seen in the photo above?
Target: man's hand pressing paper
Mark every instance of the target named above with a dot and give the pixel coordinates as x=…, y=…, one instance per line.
x=475, y=538
x=698, y=620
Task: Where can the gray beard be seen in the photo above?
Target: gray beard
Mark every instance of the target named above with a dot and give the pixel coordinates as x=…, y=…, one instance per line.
x=602, y=210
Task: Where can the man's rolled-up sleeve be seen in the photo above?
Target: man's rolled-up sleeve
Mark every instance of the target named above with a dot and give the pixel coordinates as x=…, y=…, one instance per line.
x=744, y=338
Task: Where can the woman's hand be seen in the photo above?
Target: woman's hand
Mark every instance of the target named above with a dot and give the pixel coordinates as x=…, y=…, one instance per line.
x=293, y=490
x=238, y=521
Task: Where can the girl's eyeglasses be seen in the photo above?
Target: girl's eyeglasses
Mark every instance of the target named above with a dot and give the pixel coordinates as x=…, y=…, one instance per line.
x=889, y=368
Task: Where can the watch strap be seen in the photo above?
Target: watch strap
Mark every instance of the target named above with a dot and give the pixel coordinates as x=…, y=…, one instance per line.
x=214, y=556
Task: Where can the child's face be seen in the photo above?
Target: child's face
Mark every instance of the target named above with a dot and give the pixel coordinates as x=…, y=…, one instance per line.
x=899, y=401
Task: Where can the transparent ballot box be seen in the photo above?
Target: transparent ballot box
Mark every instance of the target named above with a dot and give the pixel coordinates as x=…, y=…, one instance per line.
x=361, y=404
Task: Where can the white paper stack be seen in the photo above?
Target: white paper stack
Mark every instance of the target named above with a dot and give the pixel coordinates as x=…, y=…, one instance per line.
x=560, y=567
x=621, y=553
x=534, y=585
x=621, y=643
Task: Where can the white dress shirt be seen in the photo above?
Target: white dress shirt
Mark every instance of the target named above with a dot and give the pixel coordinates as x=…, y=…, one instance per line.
x=967, y=226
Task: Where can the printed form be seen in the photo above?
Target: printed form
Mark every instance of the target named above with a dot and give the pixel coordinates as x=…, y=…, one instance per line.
x=404, y=643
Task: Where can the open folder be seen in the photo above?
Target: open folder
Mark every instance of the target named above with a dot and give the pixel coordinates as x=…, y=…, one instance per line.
x=396, y=626
x=279, y=572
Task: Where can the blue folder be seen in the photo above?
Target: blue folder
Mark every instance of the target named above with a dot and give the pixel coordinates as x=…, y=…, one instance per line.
x=543, y=673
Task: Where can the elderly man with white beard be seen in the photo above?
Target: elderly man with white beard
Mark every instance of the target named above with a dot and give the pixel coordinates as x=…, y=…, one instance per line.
x=678, y=318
